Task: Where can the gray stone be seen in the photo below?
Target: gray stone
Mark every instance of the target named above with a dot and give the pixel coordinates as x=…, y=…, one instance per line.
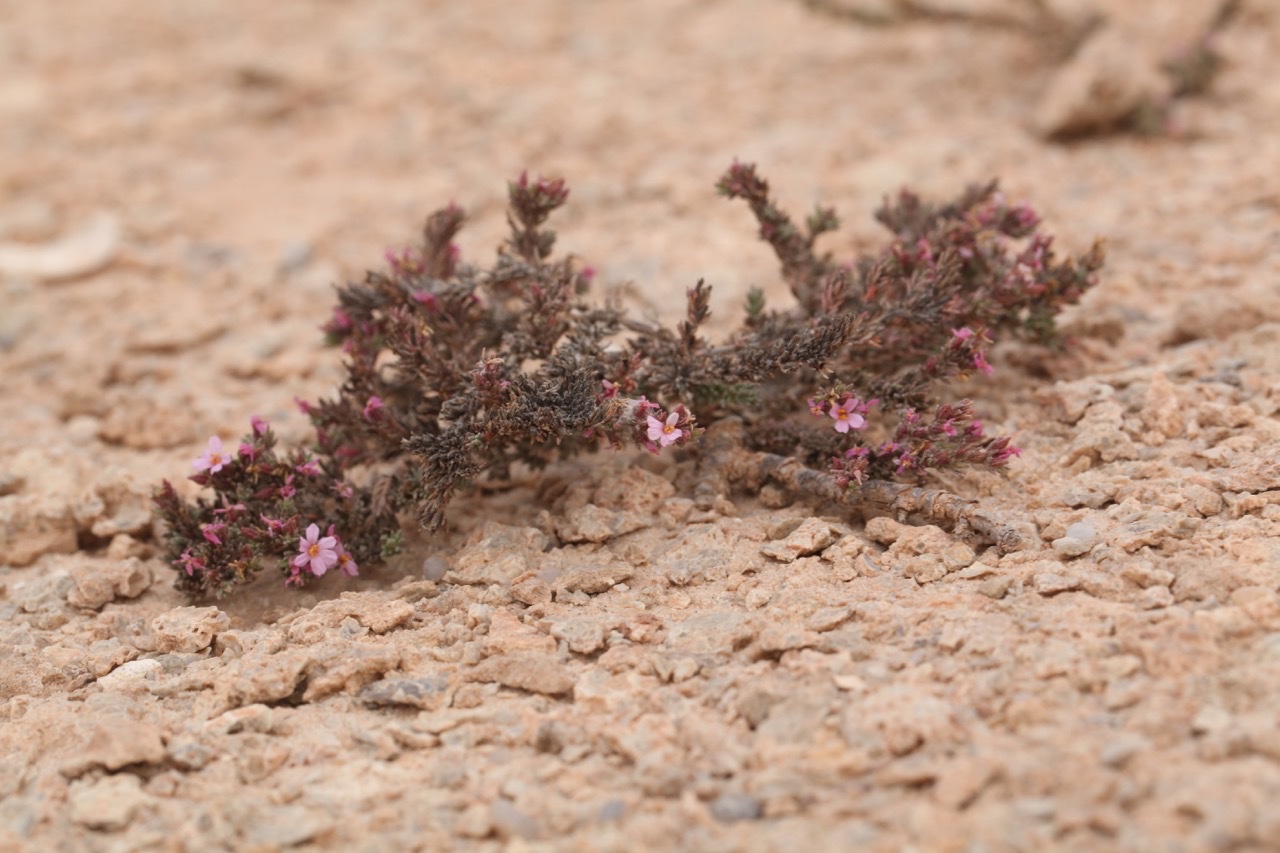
x=510, y=822
x=728, y=808
x=429, y=693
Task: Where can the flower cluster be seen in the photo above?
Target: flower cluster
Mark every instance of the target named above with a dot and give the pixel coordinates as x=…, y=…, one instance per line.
x=318, y=555
x=266, y=510
x=456, y=371
x=951, y=438
x=847, y=411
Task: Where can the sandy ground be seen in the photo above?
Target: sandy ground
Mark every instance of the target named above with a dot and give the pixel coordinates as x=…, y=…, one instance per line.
x=182, y=183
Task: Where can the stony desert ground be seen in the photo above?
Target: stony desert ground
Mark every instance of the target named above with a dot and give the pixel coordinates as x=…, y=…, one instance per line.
x=182, y=184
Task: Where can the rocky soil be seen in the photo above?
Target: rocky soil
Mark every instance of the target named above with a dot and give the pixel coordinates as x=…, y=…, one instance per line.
x=588, y=660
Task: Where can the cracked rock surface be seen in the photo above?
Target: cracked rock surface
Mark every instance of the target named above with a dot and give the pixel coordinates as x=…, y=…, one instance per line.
x=588, y=659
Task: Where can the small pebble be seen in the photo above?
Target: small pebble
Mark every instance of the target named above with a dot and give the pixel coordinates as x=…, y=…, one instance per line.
x=728, y=808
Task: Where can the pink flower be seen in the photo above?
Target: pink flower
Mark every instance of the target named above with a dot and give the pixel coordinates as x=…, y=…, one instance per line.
x=347, y=563
x=214, y=459
x=372, y=407
x=288, y=490
x=211, y=531
x=1002, y=456
x=963, y=333
x=341, y=321
x=259, y=425
x=980, y=362
x=274, y=525
x=311, y=468
x=924, y=250
x=816, y=408
x=232, y=511
x=846, y=415
x=191, y=563
x=246, y=450
x=664, y=433
x=316, y=553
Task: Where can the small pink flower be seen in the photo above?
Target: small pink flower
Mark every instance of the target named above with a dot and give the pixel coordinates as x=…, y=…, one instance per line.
x=846, y=415
x=980, y=362
x=316, y=553
x=211, y=531
x=347, y=563
x=963, y=333
x=664, y=433
x=372, y=408
x=191, y=563
x=311, y=468
x=924, y=250
x=1002, y=456
x=816, y=408
x=214, y=458
x=259, y=425
x=341, y=321
x=246, y=451
x=274, y=525
x=288, y=490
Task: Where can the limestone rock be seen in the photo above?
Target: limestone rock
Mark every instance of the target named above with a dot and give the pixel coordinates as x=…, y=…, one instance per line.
x=810, y=537
x=593, y=580
x=591, y=523
x=109, y=803
x=34, y=525
x=429, y=693
x=372, y=610
x=188, y=629
x=97, y=583
x=635, y=490
x=113, y=742
x=497, y=554
x=536, y=672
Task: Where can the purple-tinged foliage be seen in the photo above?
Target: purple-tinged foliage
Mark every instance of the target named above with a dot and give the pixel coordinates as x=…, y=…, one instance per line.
x=454, y=371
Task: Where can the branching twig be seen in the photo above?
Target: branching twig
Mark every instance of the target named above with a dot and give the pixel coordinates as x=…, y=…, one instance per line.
x=726, y=462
